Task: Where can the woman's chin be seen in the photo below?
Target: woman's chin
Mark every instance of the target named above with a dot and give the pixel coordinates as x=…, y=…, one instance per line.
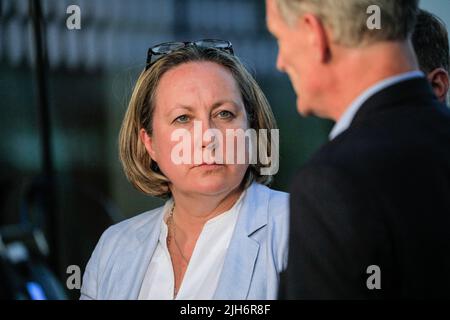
x=212, y=185
x=210, y=180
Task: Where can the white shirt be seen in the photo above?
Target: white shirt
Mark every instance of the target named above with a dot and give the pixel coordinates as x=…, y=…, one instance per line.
x=347, y=117
x=202, y=274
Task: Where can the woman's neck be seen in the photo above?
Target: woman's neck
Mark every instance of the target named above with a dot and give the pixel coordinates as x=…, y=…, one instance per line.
x=192, y=211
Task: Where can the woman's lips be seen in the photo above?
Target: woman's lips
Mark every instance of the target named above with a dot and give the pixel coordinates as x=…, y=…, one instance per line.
x=209, y=165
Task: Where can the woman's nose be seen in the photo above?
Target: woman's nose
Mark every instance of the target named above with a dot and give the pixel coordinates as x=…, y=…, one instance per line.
x=204, y=133
x=208, y=133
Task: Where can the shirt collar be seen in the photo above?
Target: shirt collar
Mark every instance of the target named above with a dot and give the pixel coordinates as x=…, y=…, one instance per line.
x=230, y=214
x=344, y=122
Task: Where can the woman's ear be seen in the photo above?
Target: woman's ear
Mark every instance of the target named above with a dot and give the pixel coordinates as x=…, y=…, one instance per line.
x=439, y=81
x=147, y=140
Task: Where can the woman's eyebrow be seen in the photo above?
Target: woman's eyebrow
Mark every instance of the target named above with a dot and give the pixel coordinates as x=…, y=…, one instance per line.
x=215, y=105
x=180, y=106
x=222, y=102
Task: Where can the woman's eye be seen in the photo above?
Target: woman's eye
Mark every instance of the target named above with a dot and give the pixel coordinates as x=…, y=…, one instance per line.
x=224, y=114
x=182, y=119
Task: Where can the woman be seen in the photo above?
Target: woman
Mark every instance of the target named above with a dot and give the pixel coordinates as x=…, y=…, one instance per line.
x=222, y=234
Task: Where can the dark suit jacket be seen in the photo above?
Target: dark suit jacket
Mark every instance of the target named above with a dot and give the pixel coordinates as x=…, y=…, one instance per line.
x=377, y=194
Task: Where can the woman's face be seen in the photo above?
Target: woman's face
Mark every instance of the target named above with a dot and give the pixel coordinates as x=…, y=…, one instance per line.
x=195, y=97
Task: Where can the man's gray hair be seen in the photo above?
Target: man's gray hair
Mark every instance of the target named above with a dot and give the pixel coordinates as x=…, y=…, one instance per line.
x=347, y=19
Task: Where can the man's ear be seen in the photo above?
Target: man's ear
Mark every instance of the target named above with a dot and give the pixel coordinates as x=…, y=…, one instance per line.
x=148, y=143
x=439, y=81
x=317, y=35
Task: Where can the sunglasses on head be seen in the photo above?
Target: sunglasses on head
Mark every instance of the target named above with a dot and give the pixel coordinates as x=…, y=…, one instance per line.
x=158, y=51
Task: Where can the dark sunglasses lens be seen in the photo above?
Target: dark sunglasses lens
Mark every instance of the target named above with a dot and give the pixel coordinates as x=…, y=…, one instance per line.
x=154, y=58
x=211, y=43
x=167, y=47
x=159, y=50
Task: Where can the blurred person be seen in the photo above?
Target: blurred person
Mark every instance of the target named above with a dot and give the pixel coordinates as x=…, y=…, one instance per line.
x=370, y=211
x=430, y=42
x=222, y=234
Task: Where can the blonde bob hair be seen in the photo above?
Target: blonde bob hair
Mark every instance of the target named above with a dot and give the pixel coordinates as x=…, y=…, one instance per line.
x=139, y=168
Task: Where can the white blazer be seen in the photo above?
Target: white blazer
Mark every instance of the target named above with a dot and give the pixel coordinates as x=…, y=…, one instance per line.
x=256, y=255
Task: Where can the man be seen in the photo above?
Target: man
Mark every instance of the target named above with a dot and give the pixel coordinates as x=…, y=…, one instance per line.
x=370, y=212
x=430, y=41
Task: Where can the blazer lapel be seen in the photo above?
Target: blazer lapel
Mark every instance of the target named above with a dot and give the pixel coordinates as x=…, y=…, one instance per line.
x=133, y=263
x=237, y=271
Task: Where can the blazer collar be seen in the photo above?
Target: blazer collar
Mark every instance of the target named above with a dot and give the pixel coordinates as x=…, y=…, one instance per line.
x=415, y=91
x=240, y=260
x=133, y=262
x=346, y=118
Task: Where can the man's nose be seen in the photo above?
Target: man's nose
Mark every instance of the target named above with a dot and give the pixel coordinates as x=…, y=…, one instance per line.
x=280, y=62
